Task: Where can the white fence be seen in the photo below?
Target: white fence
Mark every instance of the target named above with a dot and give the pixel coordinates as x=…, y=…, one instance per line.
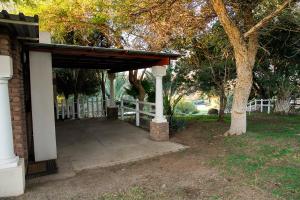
x=92, y=107
x=137, y=108
x=260, y=104
x=84, y=107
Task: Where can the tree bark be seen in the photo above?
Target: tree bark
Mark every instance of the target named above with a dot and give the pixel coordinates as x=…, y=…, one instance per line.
x=137, y=83
x=223, y=102
x=245, y=49
x=282, y=105
x=240, y=98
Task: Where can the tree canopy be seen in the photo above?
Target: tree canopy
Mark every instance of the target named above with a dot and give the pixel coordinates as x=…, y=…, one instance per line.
x=254, y=37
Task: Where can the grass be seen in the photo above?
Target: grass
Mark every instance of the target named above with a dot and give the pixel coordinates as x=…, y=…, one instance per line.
x=267, y=156
x=135, y=193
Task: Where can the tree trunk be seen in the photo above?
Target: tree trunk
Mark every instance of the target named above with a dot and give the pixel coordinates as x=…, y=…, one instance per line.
x=142, y=92
x=142, y=95
x=241, y=94
x=282, y=105
x=245, y=47
x=223, y=102
x=137, y=83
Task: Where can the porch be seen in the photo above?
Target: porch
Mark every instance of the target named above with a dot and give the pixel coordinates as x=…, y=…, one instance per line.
x=100, y=143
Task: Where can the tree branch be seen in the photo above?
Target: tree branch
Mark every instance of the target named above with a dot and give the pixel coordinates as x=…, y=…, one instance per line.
x=266, y=20
x=229, y=26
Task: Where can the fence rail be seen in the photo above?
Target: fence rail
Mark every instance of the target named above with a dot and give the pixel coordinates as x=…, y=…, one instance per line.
x=260, y=104
x=137, y=108
x=92, y=107
x=83, y=107
x=265, y=105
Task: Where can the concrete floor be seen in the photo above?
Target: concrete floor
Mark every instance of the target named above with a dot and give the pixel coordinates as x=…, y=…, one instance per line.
x=92, y=143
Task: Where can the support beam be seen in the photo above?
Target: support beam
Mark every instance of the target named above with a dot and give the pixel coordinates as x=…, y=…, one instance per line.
x=159, y=126
x=111, y=77
x=159, y=72
x=112, y=109
x=43, y=122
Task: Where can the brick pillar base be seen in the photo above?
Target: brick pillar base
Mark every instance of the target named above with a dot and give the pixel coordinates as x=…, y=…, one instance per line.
x=159, y=131
x=112, y=113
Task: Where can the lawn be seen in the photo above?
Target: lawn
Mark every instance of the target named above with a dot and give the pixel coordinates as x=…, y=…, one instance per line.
x=267, y=157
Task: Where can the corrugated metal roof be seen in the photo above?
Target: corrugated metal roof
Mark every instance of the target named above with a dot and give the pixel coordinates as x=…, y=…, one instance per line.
x=20, y=26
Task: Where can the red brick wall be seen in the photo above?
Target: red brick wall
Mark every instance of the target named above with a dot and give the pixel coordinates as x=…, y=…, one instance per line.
x=16, y=93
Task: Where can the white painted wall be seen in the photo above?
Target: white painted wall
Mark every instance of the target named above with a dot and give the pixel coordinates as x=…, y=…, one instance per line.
x=45, y=37
x=42, y=106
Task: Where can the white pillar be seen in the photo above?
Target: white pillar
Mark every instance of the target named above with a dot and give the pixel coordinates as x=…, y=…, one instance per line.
x=8, y=158
x=137, y=112
x=43, y=120
x=111, y=77
x=159, y=72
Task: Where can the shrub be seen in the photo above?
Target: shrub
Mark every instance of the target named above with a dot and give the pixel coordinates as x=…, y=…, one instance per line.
x=176, y=124
x=185, y=107
x=213, y=111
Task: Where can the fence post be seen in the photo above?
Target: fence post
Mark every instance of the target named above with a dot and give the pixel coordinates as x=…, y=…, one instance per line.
x=73, y=108
x=255, y=104
x=93, y=107
x=97, y=102
x=68, y=108
x=101, y=107
x=261, y=105
x=122, y=109
x=78, y=108
x=57, y=110
x=87, y=107
x=137, y=113
x=269, y=106
x=63, y=109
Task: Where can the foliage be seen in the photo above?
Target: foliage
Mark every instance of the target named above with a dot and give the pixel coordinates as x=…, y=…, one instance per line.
x=277, y=71
x=77, y=81
x=212, y=63
x=75, y=21
x=185, y=107
x=176, y=84
x=121, y=83
x=154, y=25
x=148, y=84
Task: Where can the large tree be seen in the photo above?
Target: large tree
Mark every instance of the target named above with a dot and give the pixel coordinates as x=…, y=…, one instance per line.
x=239, y=20
x=277, y=70
x=211, y=60
x=159, y=23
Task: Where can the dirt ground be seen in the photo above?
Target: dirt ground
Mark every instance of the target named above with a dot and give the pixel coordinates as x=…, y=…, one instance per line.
x=182, y=175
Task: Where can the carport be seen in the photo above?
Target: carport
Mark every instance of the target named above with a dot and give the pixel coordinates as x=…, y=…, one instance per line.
x=27, y=122
x=45, y=56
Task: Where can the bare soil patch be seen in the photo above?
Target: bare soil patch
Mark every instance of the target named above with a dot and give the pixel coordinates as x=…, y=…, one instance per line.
x=182, y=175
